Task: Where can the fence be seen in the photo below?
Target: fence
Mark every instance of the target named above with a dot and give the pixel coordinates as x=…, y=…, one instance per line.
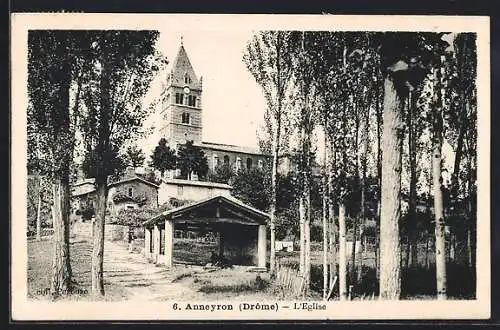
x=289, y=280
x=457, y=251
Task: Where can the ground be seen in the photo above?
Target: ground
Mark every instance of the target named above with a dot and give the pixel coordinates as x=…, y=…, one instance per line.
x=130, y=276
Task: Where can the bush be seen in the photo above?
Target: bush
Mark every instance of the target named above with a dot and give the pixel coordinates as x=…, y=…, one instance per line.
x=133, y=217
x=420, y=280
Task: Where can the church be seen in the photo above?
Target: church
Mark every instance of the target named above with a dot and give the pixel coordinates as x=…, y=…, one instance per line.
x=181, y=119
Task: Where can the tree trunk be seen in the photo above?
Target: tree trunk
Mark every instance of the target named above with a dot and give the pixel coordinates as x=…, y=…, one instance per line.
x=61, y=267
x=412, y=202
x=427, y=264
x=353, y=251
x=390, y=212
x=307, y=241
x=440, y=225
x=62, y=152
x=276, y=141
x=342, y=254
x=469, y=247
x=356, y=217
x=331, y=212
x=307, y=222
x=379, y=178
x=302, y=219
x=272, y=207
x=364, y=156
x=39, y=211
x=452, y=246
x=98, y=239
x=325, y=215
x=437, y=141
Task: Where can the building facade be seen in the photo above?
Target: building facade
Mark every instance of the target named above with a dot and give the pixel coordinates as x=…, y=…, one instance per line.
x=190, y=190
x=132, y=192
x=181, y=119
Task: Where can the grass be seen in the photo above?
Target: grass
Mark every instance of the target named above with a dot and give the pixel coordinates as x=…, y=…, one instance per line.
x=235, y=283
x=40, y=264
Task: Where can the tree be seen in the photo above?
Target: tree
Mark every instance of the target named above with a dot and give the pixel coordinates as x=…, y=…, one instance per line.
x=461, y=118
x=124, y=63
x=221, y=174
x=135, y=156
x=39, y=200
x=191, y=159
x=53, y=68
x=305, y=122
x=252, y=187
x=268, y=60
x=163, y=158
x=404, y=56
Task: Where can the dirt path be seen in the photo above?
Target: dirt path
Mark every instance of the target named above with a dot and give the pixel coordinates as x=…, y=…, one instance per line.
x=142, y=280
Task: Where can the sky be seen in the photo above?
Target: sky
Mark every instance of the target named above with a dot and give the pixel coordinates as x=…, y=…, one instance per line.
x=232, y=102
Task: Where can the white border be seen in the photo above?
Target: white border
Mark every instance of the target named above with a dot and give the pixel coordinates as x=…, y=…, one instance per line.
x=22, y=309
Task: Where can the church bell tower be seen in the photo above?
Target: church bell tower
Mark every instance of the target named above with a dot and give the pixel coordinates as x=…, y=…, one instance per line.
x=181, y=106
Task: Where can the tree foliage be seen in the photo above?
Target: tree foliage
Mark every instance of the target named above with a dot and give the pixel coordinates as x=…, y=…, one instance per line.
x=222, y=173
x=340, y=81
x=163, y=158
x=135, y=156
x=191, y=159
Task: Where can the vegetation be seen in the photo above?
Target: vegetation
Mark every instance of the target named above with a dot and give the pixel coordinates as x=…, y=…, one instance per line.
x=387, y=108
x=191, y=159
x=163, y=158
x=386, y=104
x=135, y=156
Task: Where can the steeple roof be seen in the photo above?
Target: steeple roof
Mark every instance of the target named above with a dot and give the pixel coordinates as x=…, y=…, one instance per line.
x=181, y=68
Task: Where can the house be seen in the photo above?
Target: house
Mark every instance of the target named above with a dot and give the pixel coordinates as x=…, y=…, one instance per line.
x=190, y=190
x=240, y=230
x=131, y=192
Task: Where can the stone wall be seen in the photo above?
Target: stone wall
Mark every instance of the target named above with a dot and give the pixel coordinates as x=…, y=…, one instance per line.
x=190, y=190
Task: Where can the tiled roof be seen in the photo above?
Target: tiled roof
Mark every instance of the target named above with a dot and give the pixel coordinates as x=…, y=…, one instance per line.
x=230, y=148
x=172, y=213
x=92, y=181
x=197, y=183
x=134, y=178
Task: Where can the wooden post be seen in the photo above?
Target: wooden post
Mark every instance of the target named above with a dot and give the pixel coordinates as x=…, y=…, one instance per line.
x=147, y=242
x=156, y=237
x=261, y=247
x=221, y=244
x=169, y=243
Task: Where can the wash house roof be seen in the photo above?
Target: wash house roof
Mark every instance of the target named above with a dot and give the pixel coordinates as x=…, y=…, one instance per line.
x=217, y=209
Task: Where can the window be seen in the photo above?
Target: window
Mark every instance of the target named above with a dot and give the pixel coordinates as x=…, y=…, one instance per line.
x=226, y=160
x=130, y=192
x=191, y=100
x=260, y=164
x=130, y=207
x=179, y=98
x=187, y=79
x=185, y=118
x=249, y=163
x=238, y=163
